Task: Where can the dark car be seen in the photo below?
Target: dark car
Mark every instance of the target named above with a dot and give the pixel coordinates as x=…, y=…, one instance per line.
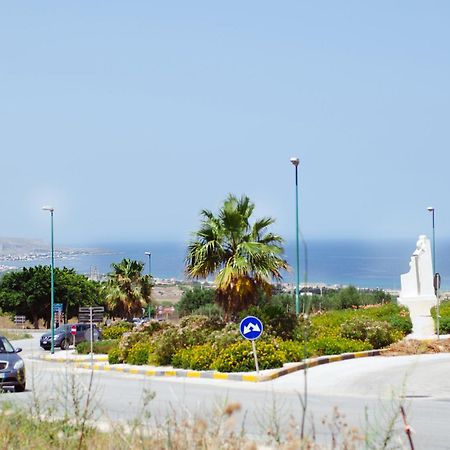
x=12, y=367
x=63, y=337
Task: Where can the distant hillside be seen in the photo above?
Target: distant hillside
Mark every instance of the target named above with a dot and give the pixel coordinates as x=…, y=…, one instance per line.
x=22, y=246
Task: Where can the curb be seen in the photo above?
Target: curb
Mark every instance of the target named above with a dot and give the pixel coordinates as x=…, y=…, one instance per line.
x=75, y=359
x=212, y=375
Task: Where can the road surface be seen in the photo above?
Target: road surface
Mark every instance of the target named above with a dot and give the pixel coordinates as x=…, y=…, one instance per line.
x=376, y=385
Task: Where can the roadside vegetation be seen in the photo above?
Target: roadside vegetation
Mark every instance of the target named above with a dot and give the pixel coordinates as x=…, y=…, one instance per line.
x=45, y=428
x=444, y=320
x=201, y=342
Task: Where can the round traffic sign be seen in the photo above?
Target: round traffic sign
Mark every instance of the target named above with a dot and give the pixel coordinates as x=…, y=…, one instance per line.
x=251, y=328
x=73, y=330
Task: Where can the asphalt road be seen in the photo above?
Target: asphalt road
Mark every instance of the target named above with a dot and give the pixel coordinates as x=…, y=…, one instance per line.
x=359, y=388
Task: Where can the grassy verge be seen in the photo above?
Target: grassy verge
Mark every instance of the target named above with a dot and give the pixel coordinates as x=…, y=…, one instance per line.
x=15, y=335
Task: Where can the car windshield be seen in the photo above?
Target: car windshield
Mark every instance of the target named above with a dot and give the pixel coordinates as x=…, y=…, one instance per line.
x=5, y=346
x=63, y=328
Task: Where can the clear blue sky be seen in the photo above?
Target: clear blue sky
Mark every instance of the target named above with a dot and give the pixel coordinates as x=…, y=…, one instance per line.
x=129, y=117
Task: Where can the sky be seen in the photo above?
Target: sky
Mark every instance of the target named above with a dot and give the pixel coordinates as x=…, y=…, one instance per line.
x=129, y=118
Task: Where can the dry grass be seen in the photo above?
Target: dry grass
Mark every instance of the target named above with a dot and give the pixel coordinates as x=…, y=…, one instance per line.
x=416, y=347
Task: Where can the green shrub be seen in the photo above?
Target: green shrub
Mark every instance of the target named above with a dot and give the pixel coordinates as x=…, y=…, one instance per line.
x=294, y=351
x=335, y=346
x=378, y=333
x=166, y=345
x=211, y=310
x=192, y=299
x=228, y=335
x=444, y=325
x=198, y=357
x=239, y=357
x=276, y=319
x=99, y=347
x=116, y=330
x=128, y=340
x=139, y=354
x=444, y=321
x=114, y=356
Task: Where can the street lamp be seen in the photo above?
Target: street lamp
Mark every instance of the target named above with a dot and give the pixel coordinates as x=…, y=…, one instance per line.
x=436, y=276
x=295, y=161
x=52, y=282
x=150, y=274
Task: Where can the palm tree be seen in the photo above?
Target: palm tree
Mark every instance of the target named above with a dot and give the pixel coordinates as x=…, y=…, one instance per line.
x=244, y=258
x=127, y=291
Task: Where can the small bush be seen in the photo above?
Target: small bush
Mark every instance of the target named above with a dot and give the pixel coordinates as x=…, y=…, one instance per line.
x=192, y=299
x=129, y=340
x=239, y=357
x=378, y=334
x=275, y=317
x=139, y=353
x=114, y=356
x=99, y=347
x=294, y=351
x=211, y=310
x=444, y=325
x=335, y=346
x=116, y=330
x=198, y=357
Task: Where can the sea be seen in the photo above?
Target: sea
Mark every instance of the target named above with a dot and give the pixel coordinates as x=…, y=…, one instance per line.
x=361, y=263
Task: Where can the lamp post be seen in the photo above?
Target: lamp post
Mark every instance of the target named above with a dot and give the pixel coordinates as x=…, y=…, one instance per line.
x=150, y=274
x=435, y=275
x=52, y=281
x=295, y=161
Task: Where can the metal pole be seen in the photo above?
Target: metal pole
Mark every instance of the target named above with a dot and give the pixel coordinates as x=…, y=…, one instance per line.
x=92, y=335
x=436, y=288
x=255, y=356
x=149, y=274
x=297, y=285
x=52, y=288
x=434, y=244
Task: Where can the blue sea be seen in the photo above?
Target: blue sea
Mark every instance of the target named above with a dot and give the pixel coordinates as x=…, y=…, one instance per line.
x=362, y=263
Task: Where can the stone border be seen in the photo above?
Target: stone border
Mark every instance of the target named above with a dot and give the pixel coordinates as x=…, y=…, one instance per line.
x=212, y=375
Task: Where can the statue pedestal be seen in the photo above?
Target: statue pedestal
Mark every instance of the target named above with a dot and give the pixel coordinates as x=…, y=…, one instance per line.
x=419, y=311
x=417, y=291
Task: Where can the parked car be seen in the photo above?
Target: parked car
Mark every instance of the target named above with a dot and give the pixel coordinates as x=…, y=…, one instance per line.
x=12, y=367
x=63, y=337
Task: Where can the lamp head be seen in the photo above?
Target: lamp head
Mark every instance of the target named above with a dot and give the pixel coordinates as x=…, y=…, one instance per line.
x=430, y=208
x=294, y=160
x=48, y=208
x=147, y=253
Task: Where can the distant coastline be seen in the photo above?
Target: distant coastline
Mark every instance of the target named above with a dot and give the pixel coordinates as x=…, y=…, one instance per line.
x=361, y=263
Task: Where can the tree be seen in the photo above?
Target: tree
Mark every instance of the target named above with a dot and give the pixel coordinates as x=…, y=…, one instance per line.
x=193, y=299
x=244, y=258
x=127, y=290
x=27, y=292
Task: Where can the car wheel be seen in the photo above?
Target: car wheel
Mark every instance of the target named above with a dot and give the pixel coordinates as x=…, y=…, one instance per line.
x=20, y=387
x=64, y=345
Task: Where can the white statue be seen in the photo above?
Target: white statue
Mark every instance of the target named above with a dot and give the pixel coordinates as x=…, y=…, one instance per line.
x=418, y=282
x=417, y=290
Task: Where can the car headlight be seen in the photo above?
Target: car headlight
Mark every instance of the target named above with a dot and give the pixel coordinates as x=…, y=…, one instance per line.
x=19, y=365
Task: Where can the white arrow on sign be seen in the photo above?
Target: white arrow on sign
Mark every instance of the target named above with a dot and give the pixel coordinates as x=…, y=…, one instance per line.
x=251, y=327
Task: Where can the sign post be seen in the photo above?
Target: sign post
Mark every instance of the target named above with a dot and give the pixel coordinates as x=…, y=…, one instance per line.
x=251, y=329
x=437, y=286
x=73, y=332
x=91, y=314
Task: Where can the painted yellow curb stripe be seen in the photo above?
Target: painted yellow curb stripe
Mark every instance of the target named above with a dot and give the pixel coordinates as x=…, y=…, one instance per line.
x=220, y=376
x=194, y=374
x=253, y=378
